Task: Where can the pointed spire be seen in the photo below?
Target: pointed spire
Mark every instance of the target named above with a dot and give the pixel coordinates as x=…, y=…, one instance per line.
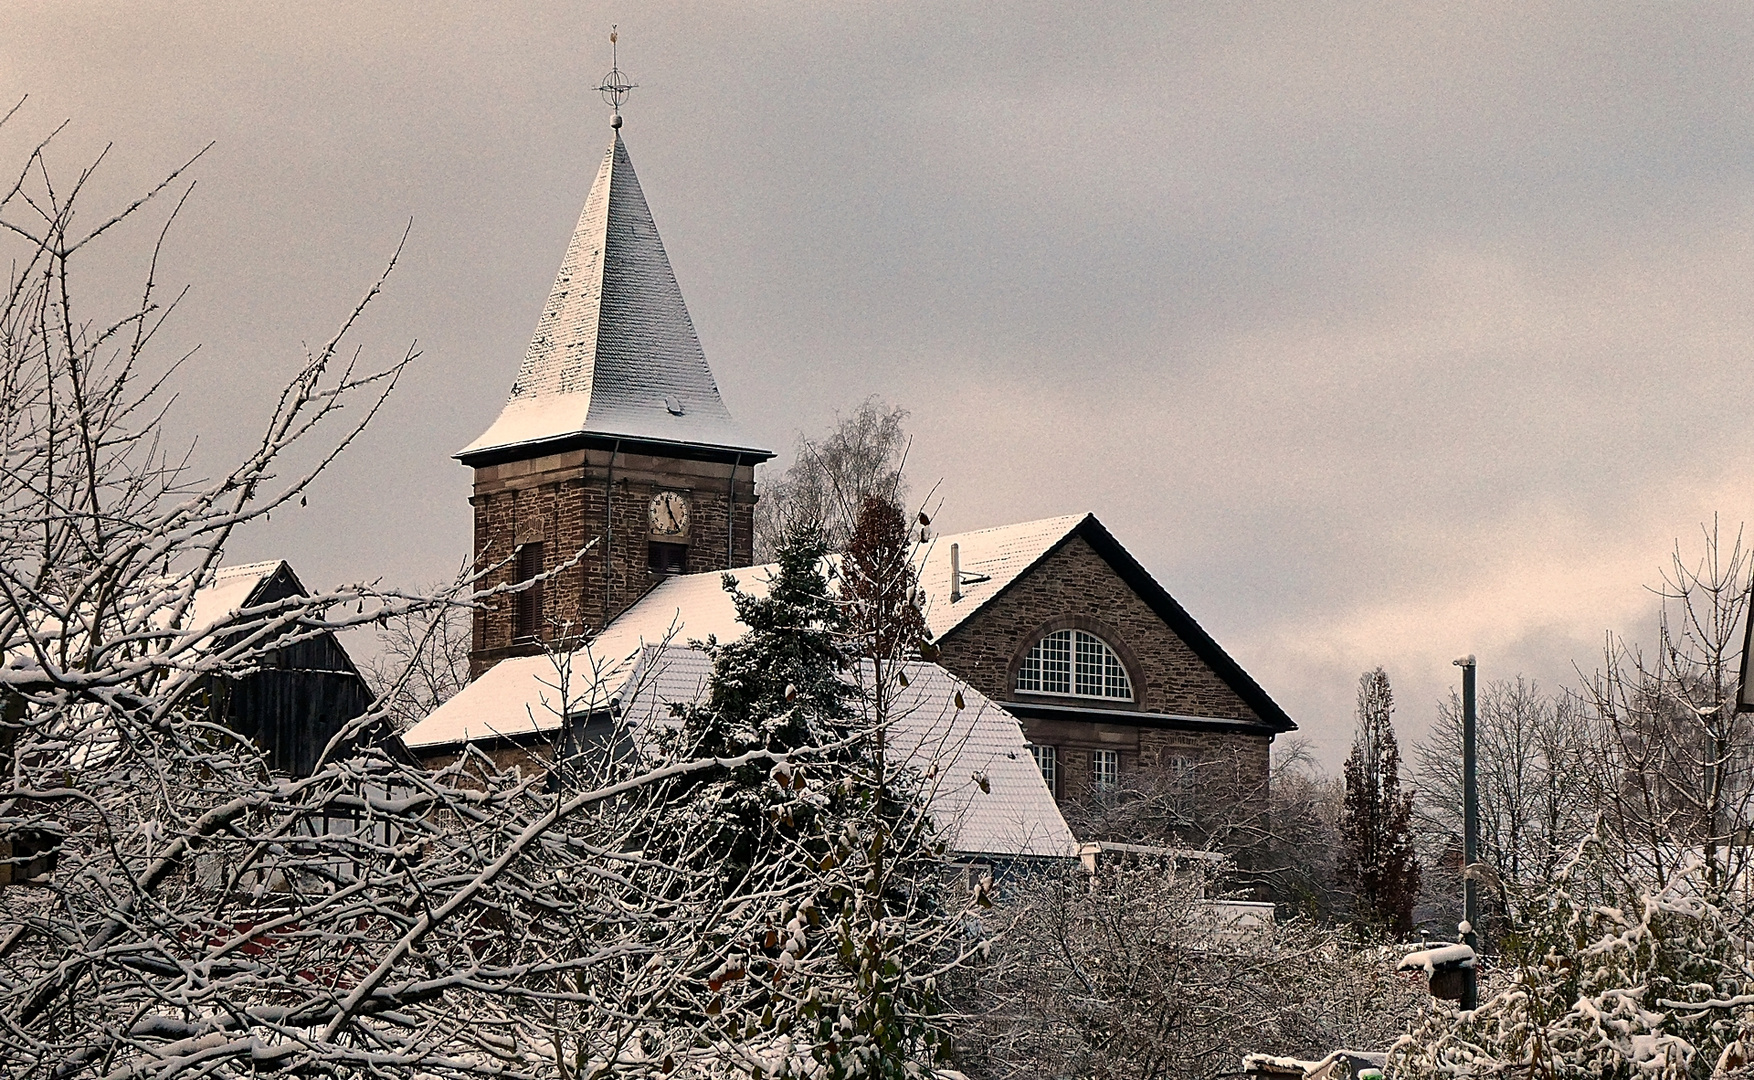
x=615, y=353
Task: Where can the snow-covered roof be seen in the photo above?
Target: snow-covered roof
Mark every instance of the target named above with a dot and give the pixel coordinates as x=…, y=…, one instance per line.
x=231, y=590
x=641, y=663
x=615, y=352
x=984, y=788
x=990, y=560
x=531, y=695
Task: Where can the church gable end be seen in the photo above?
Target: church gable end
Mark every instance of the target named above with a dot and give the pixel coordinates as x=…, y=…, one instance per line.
x=1075, y=587
x=1190, y=702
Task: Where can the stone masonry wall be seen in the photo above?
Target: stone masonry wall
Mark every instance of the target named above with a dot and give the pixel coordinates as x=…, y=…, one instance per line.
x=1076, y=587
x=1168, y=676
x=560, y=501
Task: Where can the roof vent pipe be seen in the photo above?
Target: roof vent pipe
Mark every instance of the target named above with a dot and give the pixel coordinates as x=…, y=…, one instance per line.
x=955, y=574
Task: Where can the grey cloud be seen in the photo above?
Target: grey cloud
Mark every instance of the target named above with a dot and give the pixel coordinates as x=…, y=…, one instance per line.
x=1379, y=332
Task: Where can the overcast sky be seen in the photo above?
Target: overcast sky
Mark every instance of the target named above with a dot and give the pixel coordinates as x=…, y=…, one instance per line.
x=1379, y=333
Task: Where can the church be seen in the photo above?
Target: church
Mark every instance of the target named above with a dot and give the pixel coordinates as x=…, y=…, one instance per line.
x=615, y=442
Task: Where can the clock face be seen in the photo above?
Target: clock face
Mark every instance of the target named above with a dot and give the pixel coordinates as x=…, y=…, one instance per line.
x=669, y=514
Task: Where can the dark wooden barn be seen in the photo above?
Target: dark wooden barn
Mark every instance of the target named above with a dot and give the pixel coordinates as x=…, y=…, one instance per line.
x=306, y=690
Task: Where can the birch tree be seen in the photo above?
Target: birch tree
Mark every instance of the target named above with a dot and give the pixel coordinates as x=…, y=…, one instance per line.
x=831, y=477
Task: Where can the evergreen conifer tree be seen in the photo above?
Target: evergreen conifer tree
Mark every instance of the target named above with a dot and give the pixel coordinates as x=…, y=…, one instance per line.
x=1377, y=827
x=842, y=980
x=779, y=687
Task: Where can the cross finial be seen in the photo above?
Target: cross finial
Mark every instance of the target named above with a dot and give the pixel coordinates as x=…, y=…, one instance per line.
x=615, y=85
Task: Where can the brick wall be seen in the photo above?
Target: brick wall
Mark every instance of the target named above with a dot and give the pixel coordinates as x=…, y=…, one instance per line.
x=533, y=760
x=560, y=499
x=1076, y=587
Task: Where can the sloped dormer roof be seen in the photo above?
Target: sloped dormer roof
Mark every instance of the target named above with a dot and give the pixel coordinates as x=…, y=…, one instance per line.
x=615, y=353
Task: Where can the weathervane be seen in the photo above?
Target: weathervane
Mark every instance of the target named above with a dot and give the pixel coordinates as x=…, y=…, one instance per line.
x=615, y=85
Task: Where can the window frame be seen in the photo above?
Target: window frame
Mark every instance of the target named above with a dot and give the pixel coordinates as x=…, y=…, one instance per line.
x=1047, y=760
x=1098, y=782
x=1077, y=641
x=527, y=606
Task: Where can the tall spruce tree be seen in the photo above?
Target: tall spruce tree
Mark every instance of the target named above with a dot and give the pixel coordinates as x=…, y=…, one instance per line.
x=779, y=687
x=1376, y=830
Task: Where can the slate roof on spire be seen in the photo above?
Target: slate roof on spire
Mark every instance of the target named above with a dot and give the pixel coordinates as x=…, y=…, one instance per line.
x=615, y=353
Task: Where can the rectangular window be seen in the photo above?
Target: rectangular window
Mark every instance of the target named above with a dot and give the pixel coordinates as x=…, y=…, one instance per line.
x=1048, y=761
x=527, y=616
x=668, y=558
x=1105, y=769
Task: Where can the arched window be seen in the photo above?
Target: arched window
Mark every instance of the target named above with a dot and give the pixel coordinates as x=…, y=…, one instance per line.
x=1074, y=663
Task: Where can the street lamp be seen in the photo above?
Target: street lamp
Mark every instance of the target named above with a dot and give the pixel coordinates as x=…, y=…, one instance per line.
x=1470, y=833
x=1745, y=685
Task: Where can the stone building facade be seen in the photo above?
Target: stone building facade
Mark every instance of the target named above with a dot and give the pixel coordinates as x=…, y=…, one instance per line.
x=1191, y=706
x=592, y=507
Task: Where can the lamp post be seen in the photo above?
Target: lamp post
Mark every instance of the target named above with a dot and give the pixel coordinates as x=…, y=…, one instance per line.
x=1744, y=683
x=1470, y=833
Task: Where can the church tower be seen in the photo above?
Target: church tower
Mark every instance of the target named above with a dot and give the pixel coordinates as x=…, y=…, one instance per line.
x=614, y=438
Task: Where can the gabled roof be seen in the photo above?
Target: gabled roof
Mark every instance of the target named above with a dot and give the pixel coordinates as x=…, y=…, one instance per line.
x=1004, y=555
x=248, y=585
x=236, y=587
x=991, y=559
x=615, y=354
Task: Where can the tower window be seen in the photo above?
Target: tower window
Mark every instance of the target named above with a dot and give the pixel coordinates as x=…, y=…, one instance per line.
x=668, y=558
x=1105, y=769
x=527, y=617
x=1076, y=664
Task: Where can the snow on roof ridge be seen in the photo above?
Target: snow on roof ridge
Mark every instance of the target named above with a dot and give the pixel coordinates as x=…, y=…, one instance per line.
x=1017, y=526
x=265, y=566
